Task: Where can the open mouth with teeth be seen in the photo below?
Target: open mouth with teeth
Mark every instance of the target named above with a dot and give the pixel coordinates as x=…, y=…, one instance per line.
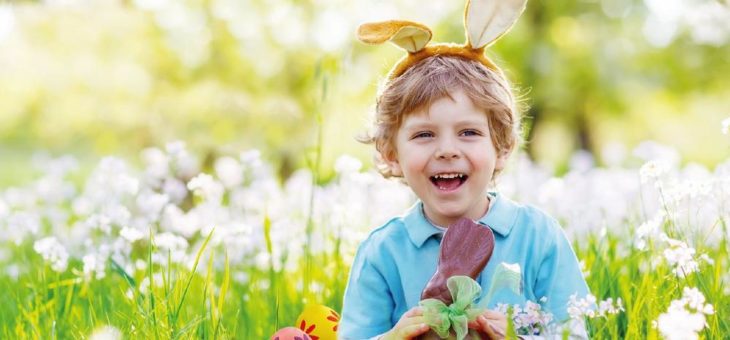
x=449, y=181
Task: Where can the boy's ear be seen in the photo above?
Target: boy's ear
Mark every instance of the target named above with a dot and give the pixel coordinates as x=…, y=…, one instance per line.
x=391, y=161
x=502, y=157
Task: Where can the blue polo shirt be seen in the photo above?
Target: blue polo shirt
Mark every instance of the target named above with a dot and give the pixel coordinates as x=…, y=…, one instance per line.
x=393, y=265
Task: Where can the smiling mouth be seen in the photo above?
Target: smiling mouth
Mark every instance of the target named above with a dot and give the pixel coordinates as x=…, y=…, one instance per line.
x=448, y=181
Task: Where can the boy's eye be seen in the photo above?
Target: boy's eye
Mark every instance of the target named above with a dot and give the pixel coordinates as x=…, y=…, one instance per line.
x=422, y=135
x=470, y=133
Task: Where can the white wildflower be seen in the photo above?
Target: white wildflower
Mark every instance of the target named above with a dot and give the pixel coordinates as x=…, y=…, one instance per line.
x=726, y=126
x=534, y=317
x=181, y=162
x=21, y=223
x=52, y=251
x=170, y=244
x=94, y=266
x=176, y=149
x=82, y=206
x=262, y=260
x=170, y=241
x=579, y=308
x=229, y=171
x=653, y=171
x=100, y=222
x=346, y=164
x=680, y=324
x=581, y=161
x=530, y=320
x=117, y=214
x=707, y=259
x=158, y=166
x=206, y=187
x=613, y=154
x=53, y=189
x=251, y=158
x=186, y=224
x=681, y=258
x=144, y=285
x=174, y=189
x=648, y=229
x=607, y=306
x=685, y=317
x=651, y=150
x=150, y=204
x=140, y=265
x=112, y=177
x=131, y=234
x=61, y=166
x=590, y=307
x=17, y=198
x=106, y=333
x=696, y=300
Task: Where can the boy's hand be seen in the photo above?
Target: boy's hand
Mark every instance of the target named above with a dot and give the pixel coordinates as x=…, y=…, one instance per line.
x=492, y=324
x=410, y=325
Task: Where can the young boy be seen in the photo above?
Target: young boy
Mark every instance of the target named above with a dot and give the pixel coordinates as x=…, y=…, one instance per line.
x=447, y=126
x=446, y=123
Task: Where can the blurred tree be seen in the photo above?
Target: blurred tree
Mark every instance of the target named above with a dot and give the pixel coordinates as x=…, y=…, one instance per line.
x=227, y=75
x=583, y=63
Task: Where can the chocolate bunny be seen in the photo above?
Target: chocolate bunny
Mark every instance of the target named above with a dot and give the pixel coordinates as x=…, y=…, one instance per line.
x=465, y=250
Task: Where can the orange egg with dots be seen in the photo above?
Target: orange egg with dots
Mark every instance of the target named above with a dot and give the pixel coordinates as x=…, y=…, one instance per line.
x=319, y=322
x=290, y=333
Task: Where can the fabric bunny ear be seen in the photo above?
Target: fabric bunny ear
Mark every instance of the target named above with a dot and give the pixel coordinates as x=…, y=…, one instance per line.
x=487, y=20
x=410, y=36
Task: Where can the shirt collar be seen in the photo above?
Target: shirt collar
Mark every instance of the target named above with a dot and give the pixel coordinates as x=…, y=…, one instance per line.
x=500, y=218
x=502, y=214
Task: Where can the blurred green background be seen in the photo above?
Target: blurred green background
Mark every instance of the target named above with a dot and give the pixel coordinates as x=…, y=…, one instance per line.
x=92, y=78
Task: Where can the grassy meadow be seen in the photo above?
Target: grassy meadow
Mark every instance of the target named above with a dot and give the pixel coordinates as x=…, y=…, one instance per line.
x=237, y=254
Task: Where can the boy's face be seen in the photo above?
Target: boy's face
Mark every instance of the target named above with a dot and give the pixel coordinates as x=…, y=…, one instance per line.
x=446, y=155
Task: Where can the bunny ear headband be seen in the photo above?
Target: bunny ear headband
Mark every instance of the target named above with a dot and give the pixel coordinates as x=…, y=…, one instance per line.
x=485, y=22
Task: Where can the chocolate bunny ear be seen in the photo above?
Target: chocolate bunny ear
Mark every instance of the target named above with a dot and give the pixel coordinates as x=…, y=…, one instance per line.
x=408, y=35
x=487, y=20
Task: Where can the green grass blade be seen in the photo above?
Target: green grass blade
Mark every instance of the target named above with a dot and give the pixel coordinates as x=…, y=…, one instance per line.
x=192, y=274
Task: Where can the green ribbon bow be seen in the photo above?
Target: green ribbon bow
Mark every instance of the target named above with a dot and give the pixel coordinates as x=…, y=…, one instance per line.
x=442, y=318
x=464, y=290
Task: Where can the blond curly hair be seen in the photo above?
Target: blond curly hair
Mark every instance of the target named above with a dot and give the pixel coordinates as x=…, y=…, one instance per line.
x=432, y=79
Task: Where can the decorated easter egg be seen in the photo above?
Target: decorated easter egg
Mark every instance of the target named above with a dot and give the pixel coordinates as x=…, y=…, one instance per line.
x=290, y=333
x=319, y=322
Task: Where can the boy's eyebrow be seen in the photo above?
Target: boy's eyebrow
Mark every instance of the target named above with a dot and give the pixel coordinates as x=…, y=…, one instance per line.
x=420, y=124
x=472, y=122
x=417, y=125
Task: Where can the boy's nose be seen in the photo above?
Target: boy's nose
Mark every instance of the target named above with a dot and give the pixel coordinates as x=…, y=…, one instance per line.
x=447, y=151
x=447, y=154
